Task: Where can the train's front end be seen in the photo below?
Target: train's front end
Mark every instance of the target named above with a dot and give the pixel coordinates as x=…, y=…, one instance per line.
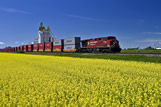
x=113, y=44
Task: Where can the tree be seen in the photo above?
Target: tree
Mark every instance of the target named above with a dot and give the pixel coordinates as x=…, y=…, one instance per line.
x=133, y=48
x=8, y=47
x=149, y=48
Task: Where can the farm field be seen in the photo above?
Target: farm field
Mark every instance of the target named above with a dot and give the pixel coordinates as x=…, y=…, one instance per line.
x=155, y=51
x=139, y=58
x=35, y=80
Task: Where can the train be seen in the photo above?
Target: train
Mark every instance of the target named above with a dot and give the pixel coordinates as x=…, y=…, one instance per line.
x=108, y=44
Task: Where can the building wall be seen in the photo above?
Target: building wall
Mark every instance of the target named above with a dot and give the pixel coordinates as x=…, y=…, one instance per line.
x=43, y=36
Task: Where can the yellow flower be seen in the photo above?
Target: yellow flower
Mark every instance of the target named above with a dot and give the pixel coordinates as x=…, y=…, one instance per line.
x=34, y=80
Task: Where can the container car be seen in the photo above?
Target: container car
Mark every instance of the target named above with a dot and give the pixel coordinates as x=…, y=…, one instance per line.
x=35, y=47
x=30, y=47
x=18, y=48
x=72, y=41
x=71, y=44
x=21, y=48
x=25, y=48
x=14, y=49
x=71, y=48
x=58, y=48
x=49, y=47
x=9, y=49
x=41, y=47
x=58, y=45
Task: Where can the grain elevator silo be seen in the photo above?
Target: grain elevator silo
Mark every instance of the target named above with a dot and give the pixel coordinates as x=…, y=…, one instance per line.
x=44, y=35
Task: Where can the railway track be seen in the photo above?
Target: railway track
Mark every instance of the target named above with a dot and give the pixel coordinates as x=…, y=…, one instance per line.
x=144, y=54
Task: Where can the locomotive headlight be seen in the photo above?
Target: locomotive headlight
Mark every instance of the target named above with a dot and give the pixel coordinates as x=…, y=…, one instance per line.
x=108, y=45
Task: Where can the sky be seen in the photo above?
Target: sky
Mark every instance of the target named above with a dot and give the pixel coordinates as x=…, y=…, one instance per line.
x=135, y=23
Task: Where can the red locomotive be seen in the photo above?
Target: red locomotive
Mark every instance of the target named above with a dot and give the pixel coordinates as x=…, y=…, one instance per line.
x=103, y=44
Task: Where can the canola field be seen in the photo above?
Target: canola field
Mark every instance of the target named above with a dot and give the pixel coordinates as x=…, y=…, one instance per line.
x=34, y=80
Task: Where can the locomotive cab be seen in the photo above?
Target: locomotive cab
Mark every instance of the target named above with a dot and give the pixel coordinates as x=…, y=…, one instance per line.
x=109, y=41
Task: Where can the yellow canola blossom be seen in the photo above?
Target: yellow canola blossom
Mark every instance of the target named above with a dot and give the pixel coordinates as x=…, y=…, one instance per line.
x=34, y=80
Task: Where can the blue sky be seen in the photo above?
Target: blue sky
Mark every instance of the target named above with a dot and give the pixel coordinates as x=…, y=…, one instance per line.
x=135, y=23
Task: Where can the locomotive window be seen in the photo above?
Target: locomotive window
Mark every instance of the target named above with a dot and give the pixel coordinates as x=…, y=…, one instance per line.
x=105, y=39
x=99, y=38
x=111, y=38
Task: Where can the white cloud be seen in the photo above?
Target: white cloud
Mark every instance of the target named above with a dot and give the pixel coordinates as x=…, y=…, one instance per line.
x=2, y=43
x=156, y=33
x=16, y=42
x=13, y=10
x=82, y=17
x=150, y=40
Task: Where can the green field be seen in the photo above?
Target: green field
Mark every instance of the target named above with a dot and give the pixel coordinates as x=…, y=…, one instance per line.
x=141, y=51
x=141, y=58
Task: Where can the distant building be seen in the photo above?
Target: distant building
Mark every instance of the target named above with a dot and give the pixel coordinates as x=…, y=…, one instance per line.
x=158, y=48
x=35, y=42
x=44, y=34
x=30, y=43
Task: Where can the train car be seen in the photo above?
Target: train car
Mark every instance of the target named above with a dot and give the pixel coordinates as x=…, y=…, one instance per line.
x=48, y=46
x=21, y=48
x=25, y=48
x=15, y=49
x=12, y=49
x=58, y=48
x=71, y=48
x=58, y=45
x=30, y=48
x=35, y=47
x=71, y=44
x=41, y=47
x=9, y=49
x=6, y=49
x=103, y=44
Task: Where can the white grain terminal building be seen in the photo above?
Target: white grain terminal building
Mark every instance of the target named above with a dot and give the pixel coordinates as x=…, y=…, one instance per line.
x=44, y=35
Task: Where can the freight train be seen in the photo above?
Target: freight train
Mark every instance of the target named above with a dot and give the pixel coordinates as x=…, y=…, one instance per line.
x=107, y=44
